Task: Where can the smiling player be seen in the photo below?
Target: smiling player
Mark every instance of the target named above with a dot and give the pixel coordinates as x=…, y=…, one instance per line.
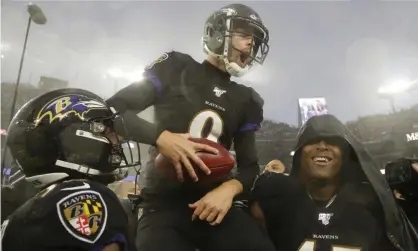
x=193, y=99
x=335, y=198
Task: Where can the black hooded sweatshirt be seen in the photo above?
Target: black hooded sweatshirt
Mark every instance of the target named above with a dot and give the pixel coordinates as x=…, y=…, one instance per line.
x=363, y=214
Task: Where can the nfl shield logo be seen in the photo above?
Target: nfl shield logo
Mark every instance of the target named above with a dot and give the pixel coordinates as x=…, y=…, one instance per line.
x=218, y=92
x=325, y=218
x=83, y=214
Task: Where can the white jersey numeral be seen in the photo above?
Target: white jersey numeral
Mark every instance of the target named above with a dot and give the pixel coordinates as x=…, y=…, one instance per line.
x=199, y=122
x=309, y=245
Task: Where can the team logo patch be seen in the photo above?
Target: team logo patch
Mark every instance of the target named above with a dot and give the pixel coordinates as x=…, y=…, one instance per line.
x=62, y=106
x=218, y=92
x=158, y=60
x=325, y=218
x=84, y=215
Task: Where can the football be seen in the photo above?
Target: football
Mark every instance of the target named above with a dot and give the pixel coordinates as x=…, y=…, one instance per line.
x=220, y=164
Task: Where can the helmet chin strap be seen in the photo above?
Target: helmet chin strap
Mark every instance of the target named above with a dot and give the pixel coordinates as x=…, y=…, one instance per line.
x=231, y=67
x=234, y=69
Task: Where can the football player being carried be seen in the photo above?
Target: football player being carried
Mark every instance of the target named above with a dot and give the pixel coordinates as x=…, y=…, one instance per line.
x=193, y=99
x=334, y=199
x=64, y=142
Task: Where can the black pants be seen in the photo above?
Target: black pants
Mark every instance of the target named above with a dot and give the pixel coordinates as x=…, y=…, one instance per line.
x=172, y=229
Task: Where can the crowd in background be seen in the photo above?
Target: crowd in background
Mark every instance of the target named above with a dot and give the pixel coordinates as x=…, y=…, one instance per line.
x=383, y=135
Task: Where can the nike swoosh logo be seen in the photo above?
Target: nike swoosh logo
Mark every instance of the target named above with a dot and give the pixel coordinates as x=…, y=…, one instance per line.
x=85, y=186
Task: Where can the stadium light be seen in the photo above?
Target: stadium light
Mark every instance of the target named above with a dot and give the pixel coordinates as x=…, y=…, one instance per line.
x=397, y=87
x=4, y=47
x=135, y=76
x=117, y=73
x=391, y=89
x=37, y=16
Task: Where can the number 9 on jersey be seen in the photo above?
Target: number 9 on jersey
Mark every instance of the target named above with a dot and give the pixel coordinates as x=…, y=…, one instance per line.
x=203, y=120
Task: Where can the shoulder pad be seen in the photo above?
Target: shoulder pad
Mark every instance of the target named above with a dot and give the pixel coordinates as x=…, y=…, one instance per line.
x=254, y=114
x=367, y=195
x=174, y=57
x=255, y=96
x=92, y=209
x=74, y=185
x=182, y=56
x=83, y=209
x=269, y=183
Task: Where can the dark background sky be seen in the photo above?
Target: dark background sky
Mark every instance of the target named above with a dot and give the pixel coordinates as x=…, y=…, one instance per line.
x=340, y=50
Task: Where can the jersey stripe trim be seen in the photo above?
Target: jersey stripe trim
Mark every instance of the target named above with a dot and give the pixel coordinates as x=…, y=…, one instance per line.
x=250, y=127
x=119, y=239
x=155, y=81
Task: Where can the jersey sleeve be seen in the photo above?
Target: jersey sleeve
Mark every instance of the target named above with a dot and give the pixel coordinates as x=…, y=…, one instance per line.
x=163, y=71
x=90, y=216
x=8, y=202
x=247, y=159
x=136, y=97
x=254, y=112
x=269, y=191
x=157, y=77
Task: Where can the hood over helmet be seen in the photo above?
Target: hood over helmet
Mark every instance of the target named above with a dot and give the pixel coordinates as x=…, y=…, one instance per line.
x=359, y=166
x=327, y=126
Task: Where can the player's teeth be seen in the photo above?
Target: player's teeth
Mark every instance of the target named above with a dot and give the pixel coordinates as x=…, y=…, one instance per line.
x=321, y=159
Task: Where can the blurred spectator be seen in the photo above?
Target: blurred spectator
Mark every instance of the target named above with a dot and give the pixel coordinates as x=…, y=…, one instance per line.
x=383, y=135
x=275, y=166
x=123, y=188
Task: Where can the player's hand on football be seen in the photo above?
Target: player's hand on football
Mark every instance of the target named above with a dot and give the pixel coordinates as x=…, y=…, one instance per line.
x=180, y=150
x=213, y=206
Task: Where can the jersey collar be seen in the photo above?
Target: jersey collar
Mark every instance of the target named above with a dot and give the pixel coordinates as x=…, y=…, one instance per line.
x=215, y=71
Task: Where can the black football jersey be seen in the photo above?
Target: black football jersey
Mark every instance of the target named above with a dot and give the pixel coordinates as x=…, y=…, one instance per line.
x=199, y=99
x=351, y=220
x=72, y=215
x=13, y=197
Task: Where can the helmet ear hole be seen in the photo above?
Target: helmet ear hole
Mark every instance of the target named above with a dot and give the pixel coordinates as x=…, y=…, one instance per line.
x=214, y=40
x=215, y=34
